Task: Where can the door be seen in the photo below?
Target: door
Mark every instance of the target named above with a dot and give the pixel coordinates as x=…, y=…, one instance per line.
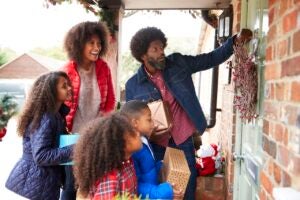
x=248, y=150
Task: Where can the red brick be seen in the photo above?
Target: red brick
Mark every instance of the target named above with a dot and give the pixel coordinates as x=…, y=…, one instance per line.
x=283, y=155
x=272, y=2
x=295, y=92
x=212, y=196
x=269, y=53
x=272, y=71
x=271, y=15
x=296, y=165
x=270, y=168
x=282, y=48
x=279, y=91
x=266, y=182
x=290, y=113
x=289, y=22
x=283, y=7
x=266, y=127
x=291, y=67
x=272, y=33
x=296, y=41
x=286, y=179
x=285, y=136
x=279, y=132
x=262, y=194
x=269, y=147
x=271, y=110
x=277, y=173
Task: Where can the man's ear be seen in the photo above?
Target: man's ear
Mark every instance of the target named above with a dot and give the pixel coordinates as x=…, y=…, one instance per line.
x=143, y=58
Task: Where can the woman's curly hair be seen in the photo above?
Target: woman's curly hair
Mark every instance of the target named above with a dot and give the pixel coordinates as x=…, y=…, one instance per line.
x=79, y=34
x=100, y=149
x=141, y=40
x=41, y=100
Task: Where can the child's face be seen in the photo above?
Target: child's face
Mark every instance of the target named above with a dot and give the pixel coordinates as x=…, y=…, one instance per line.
x=64, y=90
x=92, y=49
x=133, y=143
x=144, y=124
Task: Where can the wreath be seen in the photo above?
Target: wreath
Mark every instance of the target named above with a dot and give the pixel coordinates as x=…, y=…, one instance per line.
x=246, y=83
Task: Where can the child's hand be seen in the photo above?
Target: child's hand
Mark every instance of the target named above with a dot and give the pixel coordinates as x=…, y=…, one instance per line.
x=178, y=193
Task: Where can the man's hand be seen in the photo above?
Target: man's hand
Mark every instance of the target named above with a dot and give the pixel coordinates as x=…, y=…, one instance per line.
x=156, y=136
x=244, y=36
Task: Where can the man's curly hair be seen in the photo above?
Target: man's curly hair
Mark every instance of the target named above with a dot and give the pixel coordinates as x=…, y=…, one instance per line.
x=41, y=100
x=100, y=149
x=79, y=34
x=141, y=40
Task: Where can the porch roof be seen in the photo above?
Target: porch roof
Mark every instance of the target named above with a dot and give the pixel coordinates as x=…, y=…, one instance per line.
x=166, y=4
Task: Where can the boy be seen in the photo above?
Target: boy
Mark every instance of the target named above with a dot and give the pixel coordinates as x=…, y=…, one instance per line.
x=147, y=169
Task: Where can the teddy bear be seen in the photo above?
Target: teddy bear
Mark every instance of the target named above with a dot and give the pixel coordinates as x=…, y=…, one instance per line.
x=207, y=159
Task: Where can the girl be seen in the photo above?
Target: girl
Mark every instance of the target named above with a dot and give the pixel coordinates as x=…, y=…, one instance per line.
x=37, y=175
x=103, y=165
x=91, y=80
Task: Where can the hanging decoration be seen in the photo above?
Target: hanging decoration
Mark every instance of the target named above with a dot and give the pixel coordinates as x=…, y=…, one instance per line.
x=246, y=83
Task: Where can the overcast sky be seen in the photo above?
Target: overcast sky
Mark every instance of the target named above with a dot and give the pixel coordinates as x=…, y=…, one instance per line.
x=26, y=24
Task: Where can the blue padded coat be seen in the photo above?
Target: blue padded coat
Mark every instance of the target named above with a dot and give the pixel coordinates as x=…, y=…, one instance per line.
x=147, y=171
x=38, y=175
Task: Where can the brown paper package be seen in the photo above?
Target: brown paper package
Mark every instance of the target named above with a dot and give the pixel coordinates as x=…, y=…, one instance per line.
x=175, y=169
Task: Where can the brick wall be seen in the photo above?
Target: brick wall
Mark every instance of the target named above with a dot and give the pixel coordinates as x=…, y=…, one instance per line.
x=228, y=136
x=281, y=128
x=227, y=131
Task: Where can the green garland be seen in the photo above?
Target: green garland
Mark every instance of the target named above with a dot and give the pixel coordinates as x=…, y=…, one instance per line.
x=8, y=107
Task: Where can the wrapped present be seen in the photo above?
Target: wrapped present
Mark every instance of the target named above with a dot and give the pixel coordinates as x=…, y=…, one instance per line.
x=175, y=170
x=161, y=115
x=66, y=140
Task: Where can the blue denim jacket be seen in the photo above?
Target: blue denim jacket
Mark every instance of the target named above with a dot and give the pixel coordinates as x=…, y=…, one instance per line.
x=178, y=79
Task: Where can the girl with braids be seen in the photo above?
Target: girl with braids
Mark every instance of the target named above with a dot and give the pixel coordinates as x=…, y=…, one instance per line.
x=104, y=169
x=37, y=175
x=85, y=44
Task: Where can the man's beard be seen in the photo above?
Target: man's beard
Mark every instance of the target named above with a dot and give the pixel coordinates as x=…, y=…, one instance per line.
x=160, y=65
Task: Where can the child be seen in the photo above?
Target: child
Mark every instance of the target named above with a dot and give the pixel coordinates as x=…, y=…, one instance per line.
x=103, y=166
x=91, y=80
x=147, y=169
x=37, y=175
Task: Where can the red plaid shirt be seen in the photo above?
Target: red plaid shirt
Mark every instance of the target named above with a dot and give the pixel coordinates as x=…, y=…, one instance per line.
x=117, y=182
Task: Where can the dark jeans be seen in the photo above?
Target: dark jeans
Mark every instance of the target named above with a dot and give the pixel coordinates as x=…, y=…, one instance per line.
x=69, y=192
x=189, y=151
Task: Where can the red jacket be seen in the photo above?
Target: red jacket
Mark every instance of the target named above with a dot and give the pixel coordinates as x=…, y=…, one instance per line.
x=105, y=87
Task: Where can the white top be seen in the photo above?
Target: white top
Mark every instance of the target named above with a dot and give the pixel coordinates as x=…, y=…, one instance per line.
x=145, y=141
x=89, y=99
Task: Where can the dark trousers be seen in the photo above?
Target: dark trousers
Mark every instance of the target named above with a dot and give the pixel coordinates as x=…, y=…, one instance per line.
x=189, y=151
x=69, y=192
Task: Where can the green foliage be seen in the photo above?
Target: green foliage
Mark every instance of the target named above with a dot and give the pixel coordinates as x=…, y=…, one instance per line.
x=8, y=107
x=52, y=52
x=3, y=58
x=127, y=196
x=6, y=55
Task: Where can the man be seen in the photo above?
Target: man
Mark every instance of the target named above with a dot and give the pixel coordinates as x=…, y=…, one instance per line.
x=169, y=78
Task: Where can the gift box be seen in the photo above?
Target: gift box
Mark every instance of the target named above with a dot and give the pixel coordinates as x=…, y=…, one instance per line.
x=161, y=115
x=66, y=140
x=175, y=170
